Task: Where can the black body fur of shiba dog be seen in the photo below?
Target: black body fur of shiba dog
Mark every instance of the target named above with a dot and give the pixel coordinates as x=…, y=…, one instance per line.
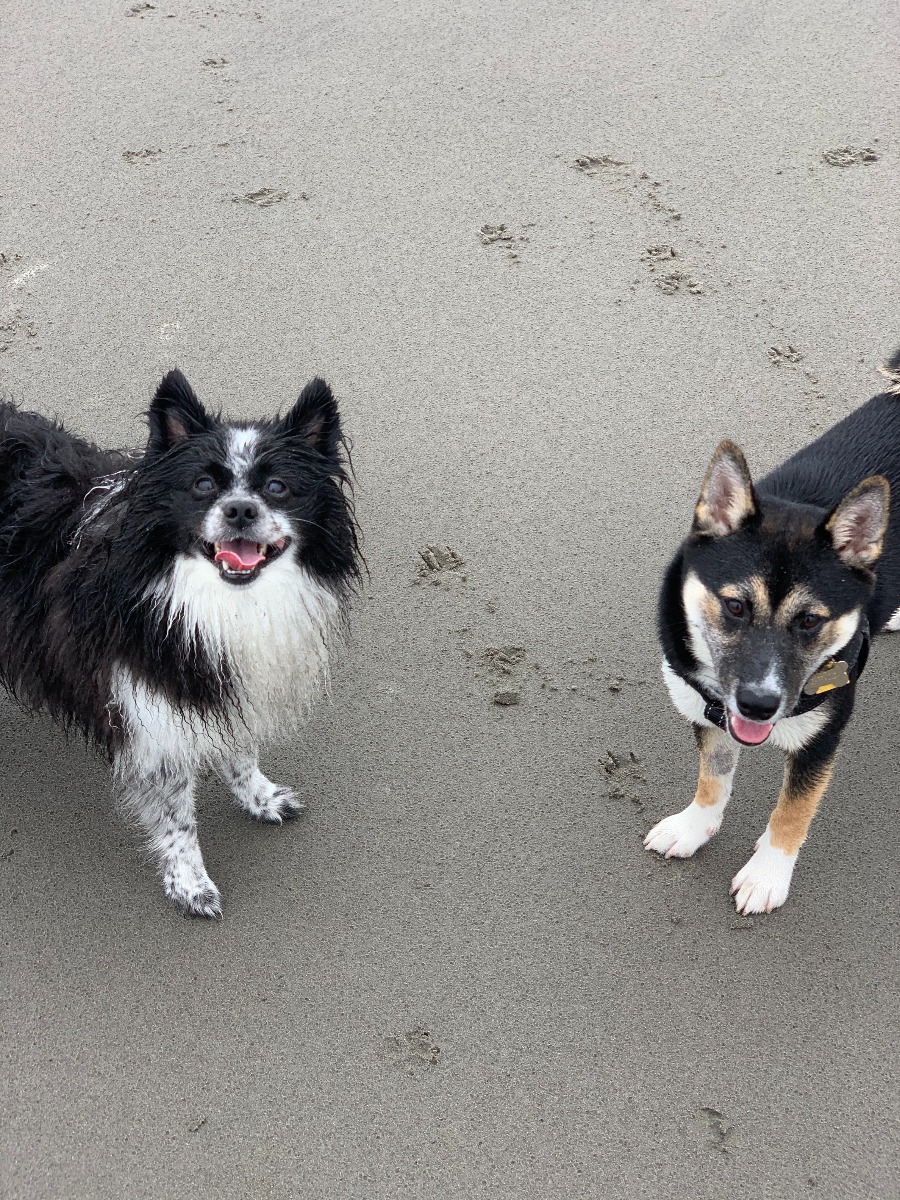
x=141, y=591
x=769, y=600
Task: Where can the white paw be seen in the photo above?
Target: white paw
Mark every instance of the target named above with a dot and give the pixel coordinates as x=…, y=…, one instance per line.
x=193, y=893
x=762, y=885
x=682, y=834
x=273, y=804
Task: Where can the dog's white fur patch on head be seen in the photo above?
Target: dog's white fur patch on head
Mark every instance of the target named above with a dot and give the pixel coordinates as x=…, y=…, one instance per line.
x=240, y=453
x=763, y=883
x=683, y=833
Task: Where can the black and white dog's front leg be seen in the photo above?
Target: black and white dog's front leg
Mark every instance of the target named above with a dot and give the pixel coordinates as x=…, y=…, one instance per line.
x=258, y=796
x=160, y=797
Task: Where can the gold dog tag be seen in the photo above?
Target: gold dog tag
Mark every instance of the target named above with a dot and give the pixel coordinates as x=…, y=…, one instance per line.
x=829, y=676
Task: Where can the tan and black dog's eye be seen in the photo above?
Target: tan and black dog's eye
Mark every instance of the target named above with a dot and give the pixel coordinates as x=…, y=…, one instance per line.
x=733, y=606
x=809, y=621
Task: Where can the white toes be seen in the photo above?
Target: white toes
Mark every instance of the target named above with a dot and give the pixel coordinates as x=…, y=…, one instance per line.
x=682, y=834
x=762, y=885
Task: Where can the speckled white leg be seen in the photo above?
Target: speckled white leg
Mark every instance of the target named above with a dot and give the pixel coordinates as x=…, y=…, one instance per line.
x=258, y=796
x=161, y=799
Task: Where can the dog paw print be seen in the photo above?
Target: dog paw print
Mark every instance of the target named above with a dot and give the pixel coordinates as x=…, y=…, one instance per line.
x=414, y=1053
x=850, y=156
x=503, y=237
x=718, y=1127
x=264, y=198
x=661, y=260
x=441, y=566
x=624, y=777
x=502, y=667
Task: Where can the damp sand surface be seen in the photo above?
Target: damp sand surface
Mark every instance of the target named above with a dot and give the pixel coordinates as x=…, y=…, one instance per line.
x=547, y=256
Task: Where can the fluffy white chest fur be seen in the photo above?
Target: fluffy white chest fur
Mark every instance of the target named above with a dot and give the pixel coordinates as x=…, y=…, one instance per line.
x=272, y=640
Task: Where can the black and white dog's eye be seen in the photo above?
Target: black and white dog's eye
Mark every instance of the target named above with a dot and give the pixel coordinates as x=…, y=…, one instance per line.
x=276, y=488
x=735, y=607
x=809, y=621
x=204, y=486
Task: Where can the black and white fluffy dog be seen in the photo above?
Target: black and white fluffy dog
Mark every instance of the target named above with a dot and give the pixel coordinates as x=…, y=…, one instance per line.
x=177, y=606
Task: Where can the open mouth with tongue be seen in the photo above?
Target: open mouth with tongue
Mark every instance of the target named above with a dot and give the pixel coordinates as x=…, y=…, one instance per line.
x=749, y=733
x=240, y=560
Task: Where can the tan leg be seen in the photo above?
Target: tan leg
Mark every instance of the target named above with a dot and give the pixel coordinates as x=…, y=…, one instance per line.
x=682, y=834
x=718, y=762
x=797, y=805
x=763, y=884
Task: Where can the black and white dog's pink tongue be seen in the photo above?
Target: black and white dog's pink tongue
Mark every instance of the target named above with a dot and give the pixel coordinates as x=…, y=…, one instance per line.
x=240, y=554
x=751, y=733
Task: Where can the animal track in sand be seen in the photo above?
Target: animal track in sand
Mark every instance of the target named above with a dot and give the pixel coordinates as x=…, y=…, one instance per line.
x=264, y=198
x=503, y=237
x=850, y=156
x=780, y=355
x=149, y=154
x=16, y=327
x=624, y=777
x=414, y=1052
x=441, y=567
x=718, y=1128
x=660, y=259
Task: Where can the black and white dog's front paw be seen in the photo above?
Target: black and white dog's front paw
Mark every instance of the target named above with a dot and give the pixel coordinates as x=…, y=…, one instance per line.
x=273, y=804
x=192, y=893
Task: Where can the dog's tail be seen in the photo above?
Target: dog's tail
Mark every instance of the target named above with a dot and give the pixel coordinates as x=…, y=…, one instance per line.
x=891, y=371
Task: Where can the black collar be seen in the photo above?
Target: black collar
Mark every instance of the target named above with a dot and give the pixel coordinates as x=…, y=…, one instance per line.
x=842, y=670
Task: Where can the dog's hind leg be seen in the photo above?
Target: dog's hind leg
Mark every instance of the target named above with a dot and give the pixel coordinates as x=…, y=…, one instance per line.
x=258, y=796
x=682, y=834
x=161, y=799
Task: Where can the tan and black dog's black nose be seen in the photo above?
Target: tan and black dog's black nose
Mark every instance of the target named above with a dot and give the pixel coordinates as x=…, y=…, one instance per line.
x=757, y=703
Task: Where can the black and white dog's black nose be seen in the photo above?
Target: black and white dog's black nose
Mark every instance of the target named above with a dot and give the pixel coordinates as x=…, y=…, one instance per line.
x=240, y=514
x=756, y=703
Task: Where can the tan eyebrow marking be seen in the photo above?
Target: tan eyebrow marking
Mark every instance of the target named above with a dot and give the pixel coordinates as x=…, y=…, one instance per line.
x=800, y=599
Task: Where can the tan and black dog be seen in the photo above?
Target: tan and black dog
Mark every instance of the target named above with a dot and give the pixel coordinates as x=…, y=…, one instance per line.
x=764, y=618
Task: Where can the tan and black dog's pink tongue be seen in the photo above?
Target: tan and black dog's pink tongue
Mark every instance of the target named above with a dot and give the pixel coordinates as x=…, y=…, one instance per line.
x=751, y=733
x=240, y=554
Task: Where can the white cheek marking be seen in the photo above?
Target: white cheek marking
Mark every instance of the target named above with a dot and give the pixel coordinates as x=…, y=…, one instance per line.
x=692, y=596
x=845, y=630
x=763, y=883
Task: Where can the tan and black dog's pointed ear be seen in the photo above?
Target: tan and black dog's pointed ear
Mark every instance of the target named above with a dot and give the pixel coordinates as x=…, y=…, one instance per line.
x=727, y=498
x=858, y=524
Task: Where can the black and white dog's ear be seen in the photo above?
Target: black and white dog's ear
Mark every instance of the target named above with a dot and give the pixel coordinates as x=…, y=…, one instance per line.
x=175, y=413
x=858, y=524
x=314, y=419
x=727, y=498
